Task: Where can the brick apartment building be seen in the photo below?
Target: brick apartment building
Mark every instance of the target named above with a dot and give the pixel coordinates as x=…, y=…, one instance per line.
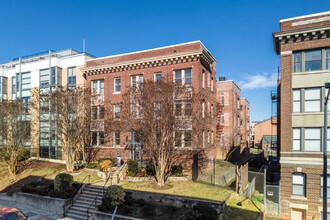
x=263, y=128
x=111, y=77
x=235, y=117
x=304, y=46
x=27, y=77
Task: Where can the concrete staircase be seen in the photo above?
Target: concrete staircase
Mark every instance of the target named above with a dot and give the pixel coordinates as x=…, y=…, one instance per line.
x=79, y=209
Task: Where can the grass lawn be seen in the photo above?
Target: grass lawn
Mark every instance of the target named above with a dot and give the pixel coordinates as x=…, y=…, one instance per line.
x=185, y=188
x=239, y=208
x=32, y=170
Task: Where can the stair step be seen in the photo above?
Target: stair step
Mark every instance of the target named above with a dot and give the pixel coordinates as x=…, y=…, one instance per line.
x=76, y=217
x=81, y=209
x=92, y=193
x=85, y=205
x=80, y=213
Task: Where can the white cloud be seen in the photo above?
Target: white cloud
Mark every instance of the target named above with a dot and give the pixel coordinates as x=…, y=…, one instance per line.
x=259, y=81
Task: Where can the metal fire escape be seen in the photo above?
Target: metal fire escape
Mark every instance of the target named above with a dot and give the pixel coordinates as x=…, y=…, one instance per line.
x=220, y=125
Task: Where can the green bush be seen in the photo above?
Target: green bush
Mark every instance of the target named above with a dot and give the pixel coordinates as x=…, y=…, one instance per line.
x=177, y=170
x=63, y=181
x=136, y=211
x=203, y=211
x=114, y=196
x=150, y=168
x=54, y=193
x=129, y=200
x=171, y=209
x=126, y=209
x=91, y=165
x=149, y=209
x=141, y=202
x=42, y=190
x=132, y=167
x=102, y=208
x=28, y=188
x=23, y=154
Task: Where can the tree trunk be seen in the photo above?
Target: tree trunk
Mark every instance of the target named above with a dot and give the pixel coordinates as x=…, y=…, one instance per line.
x=70, y=160
x=160, y=174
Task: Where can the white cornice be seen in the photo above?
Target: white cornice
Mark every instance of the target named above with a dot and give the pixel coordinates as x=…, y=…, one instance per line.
x=305, y=16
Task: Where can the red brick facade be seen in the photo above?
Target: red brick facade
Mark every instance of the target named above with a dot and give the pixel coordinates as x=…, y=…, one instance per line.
x=263, y=128
x=299, y=34
x=162, y=60
x=235, y=117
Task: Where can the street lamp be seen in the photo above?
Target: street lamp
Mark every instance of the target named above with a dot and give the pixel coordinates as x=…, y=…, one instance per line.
x=325, y=166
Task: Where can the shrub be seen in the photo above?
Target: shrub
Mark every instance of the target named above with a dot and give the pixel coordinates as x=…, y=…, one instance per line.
x=63, y=181
x=102, y=208
x=150, y=168
x=141, y=202
x=91, y=165
x=23, y=154
x=203, y=211
x=114, y=161
x=126, y=209
x=42, y=190
x=136, y=211
x=114, y=196
x=105, y=165
x=177, y=170
x=132, y=167
x=158, y=212
x=28, y=188
x=171, y=209
x=129, y=200
x=54, y=193
x=149, y=209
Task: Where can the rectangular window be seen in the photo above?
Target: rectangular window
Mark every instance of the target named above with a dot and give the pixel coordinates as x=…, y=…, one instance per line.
x=101, y=138
x=137, y=81
x=212, y=137
x=203, y=79
x=297, y=62
x=208, y=80
x=313, y=139
x=296, y=100
x=177, y=139
x=328, y=186
x=98, y=86
x=187, y=109
x=158, y=109
x=183, y=76
x=94, y=112
x=158, y=76
x=203, y=143
x=203, y=109
x=94, y=138
x=98, y=112
x=312, y=100
x=117, y=85
x=178, y=109
x=72, y=76
x=298, y=184
x=101, y=112
x=212, y=110
x=222, y=140
x=222, y=99
x=212, y=84
x=296, y=134
x=327, y=59
x=187, y=138
x=328, y=139
x=222, y=119
x=117, y=111
x=117, y=138
x=313, y=60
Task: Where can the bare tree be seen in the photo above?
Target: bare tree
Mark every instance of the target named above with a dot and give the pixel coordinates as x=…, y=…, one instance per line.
x=165, y=116
x=70, y=115
x=14, y=131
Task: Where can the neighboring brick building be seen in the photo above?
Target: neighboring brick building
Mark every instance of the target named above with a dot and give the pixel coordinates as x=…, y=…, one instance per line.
x=263, y=128
x=235, y=117
x=304, y=46
x=110, y=77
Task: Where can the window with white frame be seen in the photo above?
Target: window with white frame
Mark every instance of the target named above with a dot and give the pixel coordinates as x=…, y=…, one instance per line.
x=222, y=119
x=296, y=100
x=203, y=109
x=183, y=76
x=97, y=138
x=72, y=76
x=312, y=139
x=328, y=186
x=212, y=110
x=137, y=81
x=183, y=108
x=222, y=140
x=98, y=112
x=158, y=76
x=312, y=99
x=327, y=59
x=222, y=99
x=136, y=110
x=297, y=62
x=98, y=86
x=299, y=184
x=182, y=139
x=212, y=84
x=116, y=111
x=116, y=138
x=158, y=109
x=117, y=85
x=208, y=80
x=296, y=134
x=211, y=137
x=203, y=141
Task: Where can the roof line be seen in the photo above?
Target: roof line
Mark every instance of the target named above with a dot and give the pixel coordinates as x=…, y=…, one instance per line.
x=305, y=16
x=197, y=41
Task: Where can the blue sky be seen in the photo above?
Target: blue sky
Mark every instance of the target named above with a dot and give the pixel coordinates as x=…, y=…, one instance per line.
x=237, y=32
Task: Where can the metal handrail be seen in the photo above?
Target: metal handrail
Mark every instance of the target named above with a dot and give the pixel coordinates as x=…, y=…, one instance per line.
x=75, y=191
x=94, y=201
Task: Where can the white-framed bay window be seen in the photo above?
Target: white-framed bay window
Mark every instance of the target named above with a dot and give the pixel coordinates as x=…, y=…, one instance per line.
x=183, y=76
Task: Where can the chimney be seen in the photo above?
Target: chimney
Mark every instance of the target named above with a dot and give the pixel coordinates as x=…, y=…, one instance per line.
x=222, y=78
